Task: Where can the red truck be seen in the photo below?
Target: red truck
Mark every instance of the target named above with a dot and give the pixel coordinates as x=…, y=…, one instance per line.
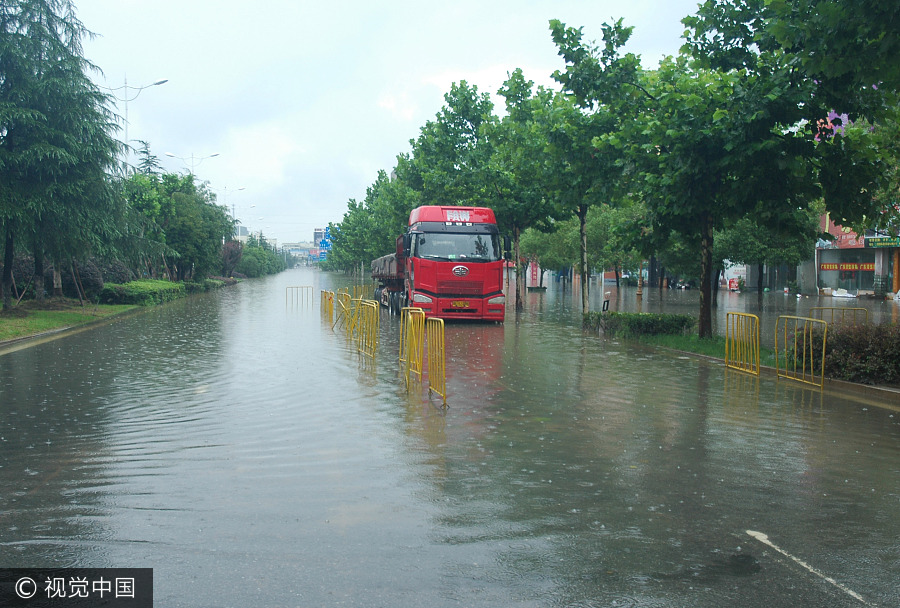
x=449, y=264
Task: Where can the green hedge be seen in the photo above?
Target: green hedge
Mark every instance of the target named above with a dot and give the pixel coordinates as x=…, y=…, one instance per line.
x=632, y=324
x=867, y=354
x=145, y=292
x=203, y=285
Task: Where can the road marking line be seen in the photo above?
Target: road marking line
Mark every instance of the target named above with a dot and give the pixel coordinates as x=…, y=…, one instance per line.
x=765, y=540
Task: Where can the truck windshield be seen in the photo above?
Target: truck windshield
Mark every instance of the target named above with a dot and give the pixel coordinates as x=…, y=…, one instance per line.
x=448, y=246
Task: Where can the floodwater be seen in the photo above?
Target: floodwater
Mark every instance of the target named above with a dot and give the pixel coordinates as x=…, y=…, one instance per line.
x=241, y=448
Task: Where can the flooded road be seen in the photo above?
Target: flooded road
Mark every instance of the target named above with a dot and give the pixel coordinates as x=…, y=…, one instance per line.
x=240, y=448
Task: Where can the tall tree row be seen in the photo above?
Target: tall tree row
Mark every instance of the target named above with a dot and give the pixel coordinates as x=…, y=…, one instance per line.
x=765, y=114
x=57, y=142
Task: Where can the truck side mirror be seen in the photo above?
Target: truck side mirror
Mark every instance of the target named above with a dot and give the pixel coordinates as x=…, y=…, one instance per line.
x=407, y=244
x=507, y=248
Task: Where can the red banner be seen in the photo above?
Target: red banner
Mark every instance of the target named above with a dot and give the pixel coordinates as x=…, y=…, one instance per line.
x=848, y=266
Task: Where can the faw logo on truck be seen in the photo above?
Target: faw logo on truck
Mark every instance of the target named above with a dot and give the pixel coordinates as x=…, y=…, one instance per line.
x=460, y=271
x=454, y=215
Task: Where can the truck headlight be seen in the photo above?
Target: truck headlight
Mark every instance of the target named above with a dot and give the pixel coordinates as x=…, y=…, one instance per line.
x=497, y=300
x=418, y=297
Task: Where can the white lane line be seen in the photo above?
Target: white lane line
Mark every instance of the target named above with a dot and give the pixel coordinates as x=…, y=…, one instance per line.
x=765, y=540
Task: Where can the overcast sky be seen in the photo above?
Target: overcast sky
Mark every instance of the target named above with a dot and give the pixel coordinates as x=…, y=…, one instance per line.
x=304, y=102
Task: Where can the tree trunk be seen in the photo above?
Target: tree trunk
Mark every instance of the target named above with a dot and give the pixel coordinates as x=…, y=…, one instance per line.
x=78, y=288
x=38, y=252
x=585, y=271
x=715, y=287
x=520, y=271
x=6, y=279
x=759, y=286
x=57, y=281
x=706, y=241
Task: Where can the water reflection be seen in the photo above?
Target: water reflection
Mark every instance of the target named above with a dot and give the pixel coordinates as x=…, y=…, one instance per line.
x=249, y=455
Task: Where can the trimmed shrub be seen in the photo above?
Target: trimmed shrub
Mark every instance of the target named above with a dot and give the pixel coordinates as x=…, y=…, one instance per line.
x=632, y=324
x=145, y=292
x=203, y=285
x=865, y=353
x=116, y=272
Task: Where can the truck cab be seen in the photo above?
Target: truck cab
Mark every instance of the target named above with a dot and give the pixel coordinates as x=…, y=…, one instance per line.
x=454, y=263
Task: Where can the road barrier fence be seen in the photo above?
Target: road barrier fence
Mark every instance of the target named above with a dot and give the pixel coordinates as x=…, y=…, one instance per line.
x=800, y=349
x=742, y=342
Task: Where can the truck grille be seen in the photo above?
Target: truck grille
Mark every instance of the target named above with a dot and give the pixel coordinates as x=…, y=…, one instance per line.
x=449, y=288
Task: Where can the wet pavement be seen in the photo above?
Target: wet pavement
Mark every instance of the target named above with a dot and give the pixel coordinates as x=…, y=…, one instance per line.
x=244, y=451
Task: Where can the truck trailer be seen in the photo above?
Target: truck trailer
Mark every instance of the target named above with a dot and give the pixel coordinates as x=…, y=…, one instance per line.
x=449, y=263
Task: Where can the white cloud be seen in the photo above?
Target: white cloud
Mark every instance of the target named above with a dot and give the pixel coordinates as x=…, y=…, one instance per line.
x=260, y=154
x=399, y=105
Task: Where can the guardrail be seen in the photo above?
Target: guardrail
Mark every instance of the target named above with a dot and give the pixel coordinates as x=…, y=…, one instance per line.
x=437, y=377
x=800, y=354
x=327, y=306
x=342, y=311
x=297, y=296
x=742, y=342
x=367, y=327
x=363, y=292
x=412, y=341
x=820, y=312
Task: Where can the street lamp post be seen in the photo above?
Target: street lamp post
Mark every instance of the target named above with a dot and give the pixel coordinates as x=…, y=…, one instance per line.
x=194, y=161
x=127, y=98
x=225, y=202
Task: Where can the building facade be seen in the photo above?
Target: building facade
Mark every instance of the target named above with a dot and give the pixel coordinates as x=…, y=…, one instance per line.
x=859, y=265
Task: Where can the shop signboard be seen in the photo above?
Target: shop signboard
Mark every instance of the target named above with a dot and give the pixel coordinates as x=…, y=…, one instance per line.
x=883, y=241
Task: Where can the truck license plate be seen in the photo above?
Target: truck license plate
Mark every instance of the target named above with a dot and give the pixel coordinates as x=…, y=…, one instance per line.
x=459, y=304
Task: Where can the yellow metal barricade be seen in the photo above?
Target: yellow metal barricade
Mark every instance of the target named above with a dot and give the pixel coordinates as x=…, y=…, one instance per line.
x=742, y=342
x=412, y=341
x=355, y=313
x=342, y=310
x=368, y=327
x=437, y=377
x=800, y=349
x=363, y=291
x=843, y=314
x=327, y=305
x=297, y=296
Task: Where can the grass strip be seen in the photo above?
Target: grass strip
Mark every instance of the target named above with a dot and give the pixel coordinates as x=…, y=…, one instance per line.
x=23, y=323
x=709, y=347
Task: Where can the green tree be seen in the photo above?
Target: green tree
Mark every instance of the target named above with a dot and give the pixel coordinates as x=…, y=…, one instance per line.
x=748, y=242
x=753, y=105
x=556, y=249
x=259, y=258
x=452, y=152
x=56, y=142
x=611, y=233
x=587, y=164
x=517, y=167
x=849, y=49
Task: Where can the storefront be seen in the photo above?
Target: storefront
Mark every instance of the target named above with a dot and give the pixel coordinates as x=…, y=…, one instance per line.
x=853, y=270
x=844, y=262
x=887, y=263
